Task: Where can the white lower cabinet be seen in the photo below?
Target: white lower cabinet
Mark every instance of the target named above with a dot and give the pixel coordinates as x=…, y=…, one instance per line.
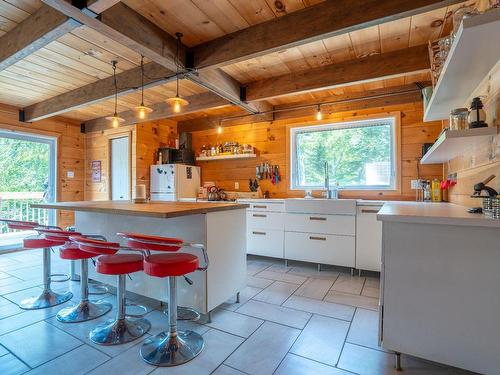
x=265, y=242
x=320, y=248
x=368, y=239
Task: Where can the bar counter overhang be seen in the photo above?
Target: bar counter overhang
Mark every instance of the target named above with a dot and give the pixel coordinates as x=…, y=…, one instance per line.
x=220, y=226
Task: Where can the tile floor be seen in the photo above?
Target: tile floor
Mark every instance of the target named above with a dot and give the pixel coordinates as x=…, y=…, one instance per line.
x=290, y=320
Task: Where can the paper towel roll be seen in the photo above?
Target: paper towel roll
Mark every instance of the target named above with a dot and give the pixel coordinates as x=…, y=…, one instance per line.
x=140, y=193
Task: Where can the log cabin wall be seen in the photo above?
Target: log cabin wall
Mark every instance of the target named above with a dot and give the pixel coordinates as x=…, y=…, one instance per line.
x=482, y=160
x=145, y=139
x=70, y=153
x=270, y=140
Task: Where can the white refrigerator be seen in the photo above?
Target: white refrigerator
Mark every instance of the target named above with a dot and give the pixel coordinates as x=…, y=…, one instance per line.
x=172, y=182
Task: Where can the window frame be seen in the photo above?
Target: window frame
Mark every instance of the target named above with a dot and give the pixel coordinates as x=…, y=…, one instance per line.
x=394, y=117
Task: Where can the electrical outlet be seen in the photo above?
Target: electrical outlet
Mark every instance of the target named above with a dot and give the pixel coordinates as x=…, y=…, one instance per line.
x=236, y=186
x=70, y=174
x=416, y=184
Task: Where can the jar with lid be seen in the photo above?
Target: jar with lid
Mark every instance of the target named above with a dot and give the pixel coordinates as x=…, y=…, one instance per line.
x=458, y=119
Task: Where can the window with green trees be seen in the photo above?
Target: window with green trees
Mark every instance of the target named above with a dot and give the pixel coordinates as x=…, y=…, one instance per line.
x=360, y=154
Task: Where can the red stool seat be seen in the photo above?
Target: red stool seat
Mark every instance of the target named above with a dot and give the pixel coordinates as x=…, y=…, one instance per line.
x=40, y=242
x=96, y=247
x=73, y=252
x=56, y=234
x=146, y=242
x=119, y=264
x=20, y=225
x=163, y=265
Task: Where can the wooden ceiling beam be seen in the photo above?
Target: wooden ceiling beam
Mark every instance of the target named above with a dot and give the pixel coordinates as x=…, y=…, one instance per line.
x=386, y=65
x=127, y=27
x=339, y=103
x=35, y=32
x=128, y=81
x=324, y=20
x=198, y=102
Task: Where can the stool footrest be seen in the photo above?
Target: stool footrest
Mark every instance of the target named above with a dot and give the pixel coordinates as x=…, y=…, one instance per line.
x=65, y=277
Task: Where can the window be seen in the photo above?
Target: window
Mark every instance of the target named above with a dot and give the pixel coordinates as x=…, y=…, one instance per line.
x=360, y=154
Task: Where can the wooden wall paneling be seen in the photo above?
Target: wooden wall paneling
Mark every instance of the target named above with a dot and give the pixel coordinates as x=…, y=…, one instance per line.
x=270, y=140
x=71, y=144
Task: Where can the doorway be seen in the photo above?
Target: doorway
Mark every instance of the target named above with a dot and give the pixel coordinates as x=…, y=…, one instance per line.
x=120, y=167
x=27, y=176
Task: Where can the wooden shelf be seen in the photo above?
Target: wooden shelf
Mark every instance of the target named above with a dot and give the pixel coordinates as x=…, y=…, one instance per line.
x=452, y=143
x=472, y=55
x=225, y=157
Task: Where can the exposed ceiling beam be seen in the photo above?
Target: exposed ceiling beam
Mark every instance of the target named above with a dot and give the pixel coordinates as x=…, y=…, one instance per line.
x=128, y=28
x=324, y=20
x=128, y=81
x=35, y=32
x=161, y=110
x=390, y=64
x=339, y=103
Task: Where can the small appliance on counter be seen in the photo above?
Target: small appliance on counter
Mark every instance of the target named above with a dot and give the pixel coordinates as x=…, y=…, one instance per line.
x=171, y=182
x=491, y=199
x=167, y=155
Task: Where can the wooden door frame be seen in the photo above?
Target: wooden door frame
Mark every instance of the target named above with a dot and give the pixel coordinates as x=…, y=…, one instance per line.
x=110, y=137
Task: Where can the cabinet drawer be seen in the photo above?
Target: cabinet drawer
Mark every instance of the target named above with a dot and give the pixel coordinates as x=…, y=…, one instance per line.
x=265, y=220
x=265, y=242
x=320, y=248
x=265, y=206
x=368, y=239
x=317, y=223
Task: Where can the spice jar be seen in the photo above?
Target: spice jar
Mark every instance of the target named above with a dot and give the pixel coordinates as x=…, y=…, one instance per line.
x=458, y=119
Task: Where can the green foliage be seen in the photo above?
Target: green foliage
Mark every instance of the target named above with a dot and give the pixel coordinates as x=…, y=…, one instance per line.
x=347, y=150
x=24, y=165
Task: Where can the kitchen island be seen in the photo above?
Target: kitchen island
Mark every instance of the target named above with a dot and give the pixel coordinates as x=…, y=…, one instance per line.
x=439, y=296
x=220, y=226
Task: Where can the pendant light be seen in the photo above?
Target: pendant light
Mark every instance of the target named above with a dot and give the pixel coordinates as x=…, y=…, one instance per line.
x=115, y=119
x=219, y=128
x=142, y=111
x=177, y=102
x=319, y=115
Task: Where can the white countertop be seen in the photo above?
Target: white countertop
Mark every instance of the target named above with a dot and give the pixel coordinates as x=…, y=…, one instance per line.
x=433, y=213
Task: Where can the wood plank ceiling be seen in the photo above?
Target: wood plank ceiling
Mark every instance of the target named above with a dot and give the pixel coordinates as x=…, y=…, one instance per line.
x=83, y=56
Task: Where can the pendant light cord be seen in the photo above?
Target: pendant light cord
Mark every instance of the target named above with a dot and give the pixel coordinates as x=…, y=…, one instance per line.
x=116, y=86
x=177, y=63
x=142, y=81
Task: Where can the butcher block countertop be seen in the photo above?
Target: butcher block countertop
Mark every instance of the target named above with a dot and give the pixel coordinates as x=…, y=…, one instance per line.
x=150, y=209
x=434, y=213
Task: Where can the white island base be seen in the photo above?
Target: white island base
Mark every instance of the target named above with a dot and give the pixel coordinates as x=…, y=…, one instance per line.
x=223, y=233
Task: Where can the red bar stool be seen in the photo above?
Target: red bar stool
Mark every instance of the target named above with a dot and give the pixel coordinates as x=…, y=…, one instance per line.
x=85, y=309
x=123, y=328
x=48, y=298
x=174, y=347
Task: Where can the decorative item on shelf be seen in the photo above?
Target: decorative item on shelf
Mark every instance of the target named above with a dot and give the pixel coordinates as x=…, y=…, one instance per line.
x=115, y=119
x=142, y=111
x=458, y=118
x=177, y=102
x=477, y=115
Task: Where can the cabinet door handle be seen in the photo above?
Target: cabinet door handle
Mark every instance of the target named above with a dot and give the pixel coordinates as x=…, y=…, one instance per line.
x=317, y=218
x=257, y=206
x=259, y=215
x=369, y=211
x=260, y=233
x=317, y=238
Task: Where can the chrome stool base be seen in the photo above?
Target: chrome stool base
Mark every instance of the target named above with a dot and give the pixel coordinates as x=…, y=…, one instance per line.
x=84, y=311
x=121, y=331
x=47, y=299
x=185, y=313
x=166, y=350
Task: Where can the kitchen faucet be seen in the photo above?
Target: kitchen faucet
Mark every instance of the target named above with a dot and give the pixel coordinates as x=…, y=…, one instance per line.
x=329, y=193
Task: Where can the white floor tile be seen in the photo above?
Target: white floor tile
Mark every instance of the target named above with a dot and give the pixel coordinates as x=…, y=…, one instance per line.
x=274, y=313
x=352, y=300
x=226, y=370
x=128, y=362
x=370, y=291
x=10, y=365
x=78, y=361
x=312, y=271
x=280, y=276
x=366, y=361
x=262, y=352
x=234, y=323
x=314, y=288
x=276, y=293
x=258, y=282
x=364, y=329
x=332, y=310
x=246, y=294
x=322, y=339
x=348, y=284
x=295, y=365
x=39, y=343
x=218, y=346
x=3, y=350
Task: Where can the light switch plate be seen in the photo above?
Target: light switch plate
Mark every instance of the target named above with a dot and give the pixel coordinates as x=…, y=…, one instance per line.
x=236, y=186
x=70, y=174
x=415, y=184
